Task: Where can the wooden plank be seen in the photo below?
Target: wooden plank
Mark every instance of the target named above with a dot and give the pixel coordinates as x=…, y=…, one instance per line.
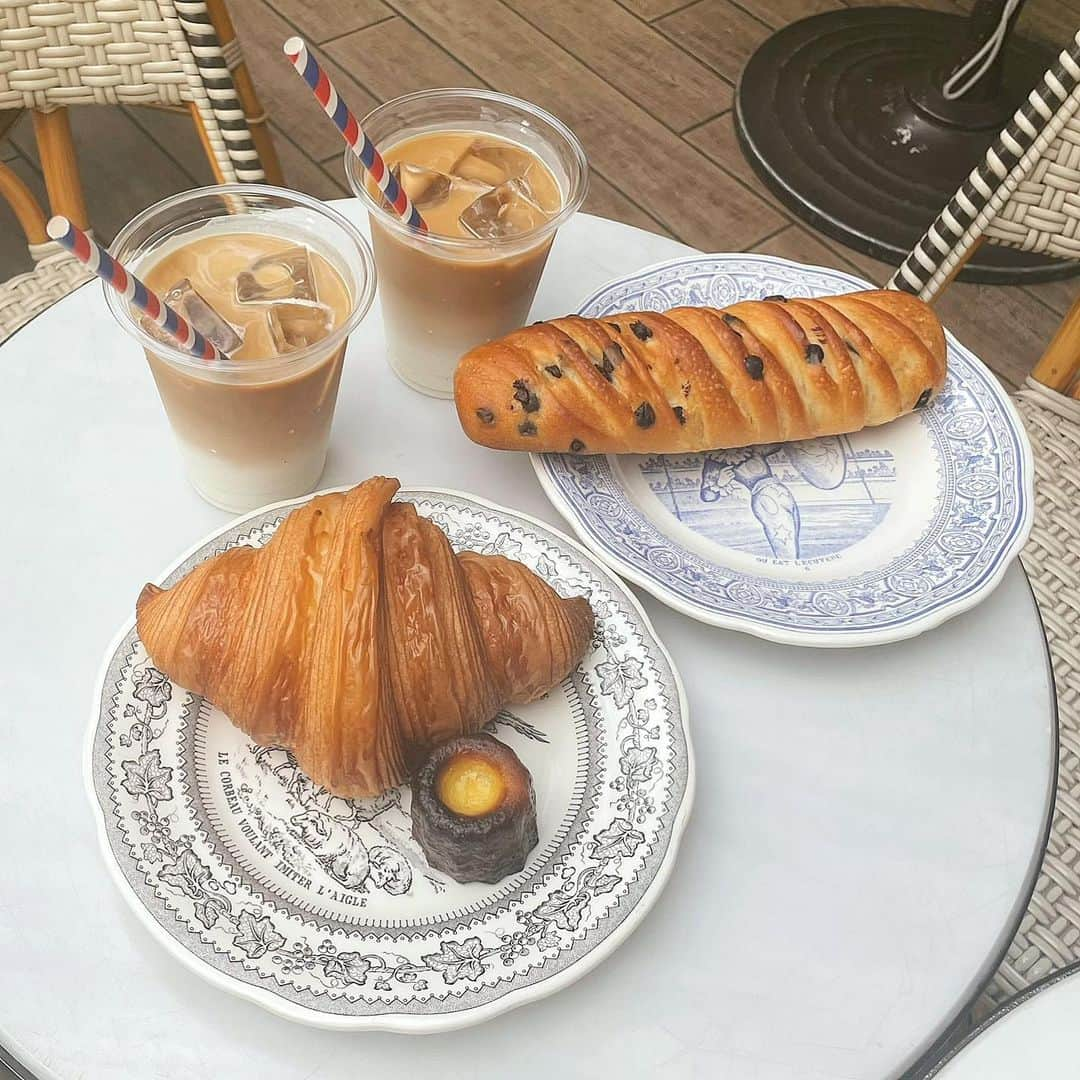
x=717, y=140
x=716, y=32
x=1002, y=325
x=874, y=270
x=175, y=134
x=7, y=150
x=652, y=9
x=14, y=255
x=778, y=13
x=1050, y=23
x=321, y=20
x=1056, y=295
x=394, y=58
x=802, y=245
x=107, y=143
x=633, y=57
x=609, y=202
x=660, y=172
x=302, y=174
x=948, y=7
x=286, y=99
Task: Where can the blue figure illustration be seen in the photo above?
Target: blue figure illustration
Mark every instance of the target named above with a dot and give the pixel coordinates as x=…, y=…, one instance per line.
x=820, y=462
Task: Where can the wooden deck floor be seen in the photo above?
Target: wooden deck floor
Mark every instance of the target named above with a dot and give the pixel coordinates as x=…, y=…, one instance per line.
x=646, y=84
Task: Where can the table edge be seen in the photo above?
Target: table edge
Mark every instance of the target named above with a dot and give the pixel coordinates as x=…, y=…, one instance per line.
x=942, y=1048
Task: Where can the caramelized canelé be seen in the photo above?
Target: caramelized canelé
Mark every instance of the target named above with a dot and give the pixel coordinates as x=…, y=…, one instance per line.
x=473, y=809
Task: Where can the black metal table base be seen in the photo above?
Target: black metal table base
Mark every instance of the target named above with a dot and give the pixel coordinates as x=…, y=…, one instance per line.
x=842, y=117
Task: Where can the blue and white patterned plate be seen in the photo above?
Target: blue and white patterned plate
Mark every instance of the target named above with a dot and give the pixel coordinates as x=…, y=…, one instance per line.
x=323, y=909
x=851, y=540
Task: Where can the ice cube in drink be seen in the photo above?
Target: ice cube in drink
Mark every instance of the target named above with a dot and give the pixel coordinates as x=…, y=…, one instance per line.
x=281, y=275
x=428, y=188
x=505, y=211
x=185, y=299
x=492, y=163
x=296, y=326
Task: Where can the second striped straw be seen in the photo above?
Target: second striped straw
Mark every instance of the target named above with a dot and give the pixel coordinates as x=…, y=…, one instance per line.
x=96, y=258
x=327, y=96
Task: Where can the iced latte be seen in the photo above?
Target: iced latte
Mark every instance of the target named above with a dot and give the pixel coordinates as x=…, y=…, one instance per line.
x=493, y=178
x=276, y=282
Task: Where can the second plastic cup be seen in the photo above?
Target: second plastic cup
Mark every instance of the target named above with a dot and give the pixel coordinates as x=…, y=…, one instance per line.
x=254, y=430
x=441, y=295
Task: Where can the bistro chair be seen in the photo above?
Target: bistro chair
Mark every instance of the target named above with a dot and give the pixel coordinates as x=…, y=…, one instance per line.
x=175, y=54
x=26, y=295
x=1026, y=193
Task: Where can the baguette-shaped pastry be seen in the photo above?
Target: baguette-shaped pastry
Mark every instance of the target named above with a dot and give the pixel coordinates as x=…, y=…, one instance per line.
x=359, y=640
x=697, y=378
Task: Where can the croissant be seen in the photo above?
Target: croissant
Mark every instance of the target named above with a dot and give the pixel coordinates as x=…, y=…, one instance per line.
x=358, y=639
x=698, y=378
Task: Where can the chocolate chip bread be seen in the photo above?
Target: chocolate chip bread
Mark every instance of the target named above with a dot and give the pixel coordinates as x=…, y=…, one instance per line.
x=760, y=371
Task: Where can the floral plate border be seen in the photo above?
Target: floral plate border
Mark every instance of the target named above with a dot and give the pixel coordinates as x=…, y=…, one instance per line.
x=576, y=910
x=926, y=583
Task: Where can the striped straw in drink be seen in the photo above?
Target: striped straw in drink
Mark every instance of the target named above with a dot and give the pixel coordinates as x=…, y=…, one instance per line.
x=96, y=258
x=350, y=129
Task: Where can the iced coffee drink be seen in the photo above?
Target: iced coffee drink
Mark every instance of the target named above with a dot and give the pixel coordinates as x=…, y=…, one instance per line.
x=276, y=284
x=493, y=178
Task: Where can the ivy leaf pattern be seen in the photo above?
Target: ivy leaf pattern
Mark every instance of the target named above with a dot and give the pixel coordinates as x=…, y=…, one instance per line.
x=348, y=968
x=546, y=568
x=153, y=687
x=210, y=909
x=620, y=678
x=564, y=908
x=618, y=839
x=639, y=764
x=596, y=882
x=187, y=874
x=256, y=937
x=148, y=777
x=458, y=960
x=503, y=545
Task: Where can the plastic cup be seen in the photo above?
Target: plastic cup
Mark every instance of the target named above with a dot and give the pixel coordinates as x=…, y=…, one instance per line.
x=442, y=295
x=252, y=431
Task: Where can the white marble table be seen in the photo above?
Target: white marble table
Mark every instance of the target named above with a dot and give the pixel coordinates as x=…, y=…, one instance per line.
x=867, y=827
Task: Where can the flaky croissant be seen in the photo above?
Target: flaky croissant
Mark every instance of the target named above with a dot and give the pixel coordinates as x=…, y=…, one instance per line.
x=697, y=378
x=359, y=640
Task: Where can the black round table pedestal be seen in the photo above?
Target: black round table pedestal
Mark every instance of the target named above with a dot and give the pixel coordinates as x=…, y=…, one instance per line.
x=842, y=116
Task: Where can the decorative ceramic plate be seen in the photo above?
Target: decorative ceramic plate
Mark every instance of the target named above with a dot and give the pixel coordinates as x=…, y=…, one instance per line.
x=849, y=540
x=323, y=909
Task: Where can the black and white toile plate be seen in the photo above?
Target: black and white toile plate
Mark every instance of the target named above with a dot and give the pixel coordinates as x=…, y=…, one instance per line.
x=322, y=909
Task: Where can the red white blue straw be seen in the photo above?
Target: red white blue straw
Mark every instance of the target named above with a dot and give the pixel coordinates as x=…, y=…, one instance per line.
x=97, y=259
x=359, y=143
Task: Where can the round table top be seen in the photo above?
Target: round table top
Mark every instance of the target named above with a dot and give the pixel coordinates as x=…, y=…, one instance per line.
x=867, y=826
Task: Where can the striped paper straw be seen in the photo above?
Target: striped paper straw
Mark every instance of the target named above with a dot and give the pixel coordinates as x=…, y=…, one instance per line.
x=359, y=143
x=96, y=258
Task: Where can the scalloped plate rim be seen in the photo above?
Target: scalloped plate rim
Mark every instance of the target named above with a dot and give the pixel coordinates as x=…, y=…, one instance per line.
x=778, y=635
x=400, y=1023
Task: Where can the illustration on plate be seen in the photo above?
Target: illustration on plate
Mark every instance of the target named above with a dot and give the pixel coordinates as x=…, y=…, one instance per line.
x=793, y=501
x=363, y=844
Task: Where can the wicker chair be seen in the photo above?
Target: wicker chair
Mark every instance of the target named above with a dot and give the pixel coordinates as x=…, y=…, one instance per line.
x=26, y=295
x=1026, y=193
x=180, y=54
